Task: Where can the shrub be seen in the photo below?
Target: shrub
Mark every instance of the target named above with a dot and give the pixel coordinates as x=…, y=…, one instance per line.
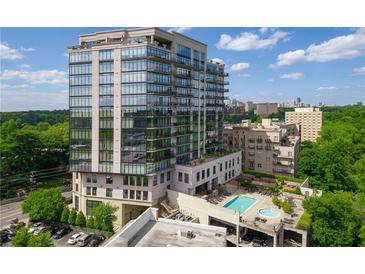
x=21, y=238
x=90, y=222
x=80, y=219
x=287, y=208
x=41, y=240
x=65, y=215
x=294, y=191
x=304, y=221
x=276, y=201
x=72, y=217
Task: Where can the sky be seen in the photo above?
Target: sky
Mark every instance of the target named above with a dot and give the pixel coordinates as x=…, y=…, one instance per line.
x=265, y=64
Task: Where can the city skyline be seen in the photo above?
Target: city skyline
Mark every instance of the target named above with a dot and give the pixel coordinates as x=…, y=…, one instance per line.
x=265, y=64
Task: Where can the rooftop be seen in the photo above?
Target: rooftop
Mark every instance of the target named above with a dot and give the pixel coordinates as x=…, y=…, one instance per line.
x=210, y=157
x=150, y=231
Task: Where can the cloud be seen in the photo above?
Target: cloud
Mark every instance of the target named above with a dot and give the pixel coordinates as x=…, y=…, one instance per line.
x=326, y=88
x=263, y=30
x=239, y=66
x=180, y=29
x=25, y=66
x=359, y=71
x=292, y=76
x=7, y=53
x=18, y=98
x=250, y=41
x=218, y=60
x=244, y=75
x=54, y=77
x=338, y=48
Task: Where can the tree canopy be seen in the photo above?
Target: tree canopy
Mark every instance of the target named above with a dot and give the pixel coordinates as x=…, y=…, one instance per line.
x=44, y=204
x=104, y=216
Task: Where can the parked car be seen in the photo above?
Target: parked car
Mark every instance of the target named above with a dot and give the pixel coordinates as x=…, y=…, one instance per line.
x=96, y=240
x=62, y=232
x=84, y=239
x=247, y=238
x=52, y=229
x=4, y=236
x=39, y=230
x=73, y=239
x=34, y=227
x=256, y=242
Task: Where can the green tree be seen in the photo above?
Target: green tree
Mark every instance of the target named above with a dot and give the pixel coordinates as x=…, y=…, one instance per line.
x=90, y=222
x=80, y=219
x=21, y=238
x=41, y=240
x=104, y=216
x=44, y=204
x=65, y=215
x=362, y=235
x=72, y=217
x=333, y=220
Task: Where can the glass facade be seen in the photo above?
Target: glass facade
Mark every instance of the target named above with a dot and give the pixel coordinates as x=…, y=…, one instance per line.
x=171, y=107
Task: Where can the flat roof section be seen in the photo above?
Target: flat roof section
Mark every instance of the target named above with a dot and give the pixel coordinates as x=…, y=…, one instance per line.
x=166, y=234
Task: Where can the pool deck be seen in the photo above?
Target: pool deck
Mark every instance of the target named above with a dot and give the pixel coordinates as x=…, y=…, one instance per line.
x=263, y=201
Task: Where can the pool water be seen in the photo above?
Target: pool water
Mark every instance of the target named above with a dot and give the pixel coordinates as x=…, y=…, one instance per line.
x=240, y=203
x=269, y=213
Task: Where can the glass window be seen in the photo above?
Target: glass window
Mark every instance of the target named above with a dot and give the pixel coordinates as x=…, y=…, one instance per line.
x=145, y=181
x=90, y=205
x=109, y=192
x=94, y=191
x=198, y=176
x=88, y=190
x=106, y=54
x=88, y=178
x=180, y=176
x=203, y=174
x=125, y=193
x=208, y=172
x=186, y=178
x=109, y=179
x=162, y=178
x=132, y=181
x=139, y=181
x=131, y=194
x=125, y=180
x=95, y=179
x=138, y=195
x=168, y=176
x=214, y=170
x=145, y=195
x=154, y=180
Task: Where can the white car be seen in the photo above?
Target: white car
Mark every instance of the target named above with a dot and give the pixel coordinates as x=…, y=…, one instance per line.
x=34, y=227
x=39, y=230
x=73, y=239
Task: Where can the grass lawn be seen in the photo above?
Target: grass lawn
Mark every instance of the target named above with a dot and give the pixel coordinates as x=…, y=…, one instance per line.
x=304, y=221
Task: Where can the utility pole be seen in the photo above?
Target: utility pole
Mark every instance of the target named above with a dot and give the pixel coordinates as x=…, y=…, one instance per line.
x=31, y=180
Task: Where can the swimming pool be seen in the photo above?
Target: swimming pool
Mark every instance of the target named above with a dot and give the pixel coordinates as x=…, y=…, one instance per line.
x=270, y=213
x=240, y=203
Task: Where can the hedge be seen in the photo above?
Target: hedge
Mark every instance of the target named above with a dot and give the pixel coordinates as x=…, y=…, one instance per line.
x=304, y=221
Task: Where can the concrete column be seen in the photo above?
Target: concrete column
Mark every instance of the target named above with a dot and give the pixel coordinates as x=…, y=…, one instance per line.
x=304, y=239
x=238, y=234
x=275, y=240
x=281, y=237
x=117, y=111
x=95, y=113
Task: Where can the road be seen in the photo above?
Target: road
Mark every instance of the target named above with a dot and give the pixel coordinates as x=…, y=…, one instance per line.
x=11, y=211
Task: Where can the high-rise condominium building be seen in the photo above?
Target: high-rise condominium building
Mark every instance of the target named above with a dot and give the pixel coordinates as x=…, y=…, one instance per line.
x=248, y=105
x=142, y=103
x=271, y=148
x=309, y=120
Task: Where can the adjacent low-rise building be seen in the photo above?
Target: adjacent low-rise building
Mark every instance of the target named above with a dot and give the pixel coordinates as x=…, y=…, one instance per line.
x=309, y=120
x=269, y=147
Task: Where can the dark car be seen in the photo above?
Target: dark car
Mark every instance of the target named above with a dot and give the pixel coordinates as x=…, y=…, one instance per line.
x=256, y=242
x=4, y=236
x=247, y=238
x=62, y=232
x=52, y=229
x=96, y=240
